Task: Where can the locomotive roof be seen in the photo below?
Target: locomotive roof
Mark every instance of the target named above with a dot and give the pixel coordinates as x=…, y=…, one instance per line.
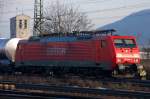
x=75, y=36
x=71, y=39
x=80, y=33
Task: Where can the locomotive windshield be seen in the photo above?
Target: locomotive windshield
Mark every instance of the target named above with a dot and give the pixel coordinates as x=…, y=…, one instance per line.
x=125, y=43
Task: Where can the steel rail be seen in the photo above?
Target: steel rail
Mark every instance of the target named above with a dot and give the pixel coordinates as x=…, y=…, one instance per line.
x=102, y=91
x=33, y=95
x=143, y=83
x=71, y=89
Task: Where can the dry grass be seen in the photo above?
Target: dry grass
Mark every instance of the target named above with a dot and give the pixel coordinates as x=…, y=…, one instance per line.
x=71, y=82
x=146, y=64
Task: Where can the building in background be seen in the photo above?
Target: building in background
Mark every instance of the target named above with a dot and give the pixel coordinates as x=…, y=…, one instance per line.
x=20, y=27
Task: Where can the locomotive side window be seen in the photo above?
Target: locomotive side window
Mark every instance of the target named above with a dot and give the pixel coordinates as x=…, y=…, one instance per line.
x=125, y=43
x=103, y=43
x=119, y=42
x=130, y=43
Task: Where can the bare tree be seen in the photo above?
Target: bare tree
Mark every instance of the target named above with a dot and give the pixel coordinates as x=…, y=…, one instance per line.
x=63, y=18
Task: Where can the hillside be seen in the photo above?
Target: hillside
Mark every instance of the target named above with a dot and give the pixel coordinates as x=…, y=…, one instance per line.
x=137, y=24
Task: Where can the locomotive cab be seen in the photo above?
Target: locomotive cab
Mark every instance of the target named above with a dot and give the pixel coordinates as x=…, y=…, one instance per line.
x=127, y=57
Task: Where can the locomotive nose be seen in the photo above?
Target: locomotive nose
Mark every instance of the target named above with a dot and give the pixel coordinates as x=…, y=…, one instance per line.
x=127, y=55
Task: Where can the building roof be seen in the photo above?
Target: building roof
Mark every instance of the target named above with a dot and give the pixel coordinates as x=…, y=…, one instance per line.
x=21, y=15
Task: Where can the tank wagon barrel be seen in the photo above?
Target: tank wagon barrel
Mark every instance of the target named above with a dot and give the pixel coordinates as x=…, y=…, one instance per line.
x=8, y=48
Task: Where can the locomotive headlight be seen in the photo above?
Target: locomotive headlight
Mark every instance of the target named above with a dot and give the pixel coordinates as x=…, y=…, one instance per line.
x=136, y=60
x=119, y=55
x=136, y=55
x=119, y=60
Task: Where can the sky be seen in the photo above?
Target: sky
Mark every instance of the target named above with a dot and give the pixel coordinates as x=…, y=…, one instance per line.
x=101, y=12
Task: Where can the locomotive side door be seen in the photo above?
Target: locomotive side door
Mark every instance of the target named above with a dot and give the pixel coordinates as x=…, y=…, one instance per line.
x=97, y=52
x=105, y=54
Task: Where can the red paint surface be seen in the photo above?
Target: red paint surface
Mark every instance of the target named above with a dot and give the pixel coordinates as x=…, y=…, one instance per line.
x=89, y=50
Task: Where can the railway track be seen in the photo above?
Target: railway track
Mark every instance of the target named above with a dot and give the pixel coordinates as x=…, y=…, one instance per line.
x=125, y=84
x=36, y=95
x=44, y=91
x=130, y=84
x=113, y=83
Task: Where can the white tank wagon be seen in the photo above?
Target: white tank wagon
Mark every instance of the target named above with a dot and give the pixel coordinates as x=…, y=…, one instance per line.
x=10, y=48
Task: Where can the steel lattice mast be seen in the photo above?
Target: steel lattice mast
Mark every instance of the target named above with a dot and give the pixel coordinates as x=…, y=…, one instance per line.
x=38, y=17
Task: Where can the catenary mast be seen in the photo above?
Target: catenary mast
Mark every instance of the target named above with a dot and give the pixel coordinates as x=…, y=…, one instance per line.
x=38, y=17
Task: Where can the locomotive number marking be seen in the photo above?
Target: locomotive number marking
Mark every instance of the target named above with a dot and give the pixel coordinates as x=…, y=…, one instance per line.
x=56, y=51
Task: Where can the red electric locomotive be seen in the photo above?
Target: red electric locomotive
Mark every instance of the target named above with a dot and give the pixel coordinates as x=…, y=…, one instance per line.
x=120, y=54
x=92, y=51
